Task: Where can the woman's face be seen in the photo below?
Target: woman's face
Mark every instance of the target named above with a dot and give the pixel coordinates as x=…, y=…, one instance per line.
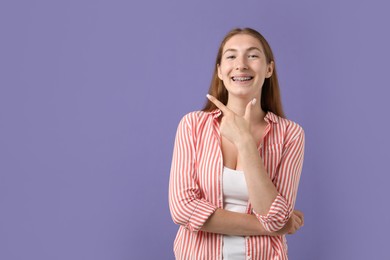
x=244, y=67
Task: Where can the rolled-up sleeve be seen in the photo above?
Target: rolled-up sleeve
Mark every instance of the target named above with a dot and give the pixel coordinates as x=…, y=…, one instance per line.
x=187, y=206
x=286, y=182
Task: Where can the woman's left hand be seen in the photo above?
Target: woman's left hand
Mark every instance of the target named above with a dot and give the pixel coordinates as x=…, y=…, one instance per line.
x=234, y=127
x=294, y=223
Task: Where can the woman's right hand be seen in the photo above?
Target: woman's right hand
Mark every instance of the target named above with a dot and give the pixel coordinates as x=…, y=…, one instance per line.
x=234, y=127
x=294, y=223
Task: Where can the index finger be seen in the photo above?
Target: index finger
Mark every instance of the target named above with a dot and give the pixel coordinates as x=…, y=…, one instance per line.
x=218, y=103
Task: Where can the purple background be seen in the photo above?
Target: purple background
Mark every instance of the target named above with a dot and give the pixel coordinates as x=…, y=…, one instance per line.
x=92, y=92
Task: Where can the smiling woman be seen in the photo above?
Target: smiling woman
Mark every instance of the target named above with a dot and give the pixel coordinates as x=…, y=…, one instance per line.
x=243, y=66
x=236, y=164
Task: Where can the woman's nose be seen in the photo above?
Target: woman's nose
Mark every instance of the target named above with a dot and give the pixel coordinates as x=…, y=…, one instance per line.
x=241, y=63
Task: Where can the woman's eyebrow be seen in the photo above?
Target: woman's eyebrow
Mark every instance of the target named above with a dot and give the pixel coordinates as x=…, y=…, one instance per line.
x=228, y=50
x=249, y=49
x=254, y=48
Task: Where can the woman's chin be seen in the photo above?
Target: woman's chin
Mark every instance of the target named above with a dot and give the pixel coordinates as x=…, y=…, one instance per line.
x=244, y=94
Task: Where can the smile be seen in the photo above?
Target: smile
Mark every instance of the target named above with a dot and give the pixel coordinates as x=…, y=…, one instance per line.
x=241, y=79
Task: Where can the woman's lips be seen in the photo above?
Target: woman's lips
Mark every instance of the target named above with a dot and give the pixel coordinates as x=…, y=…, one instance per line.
x=242, y=78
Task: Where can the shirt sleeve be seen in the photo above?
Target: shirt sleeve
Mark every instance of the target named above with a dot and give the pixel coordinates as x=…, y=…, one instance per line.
x=186, y=204
x=286, y=182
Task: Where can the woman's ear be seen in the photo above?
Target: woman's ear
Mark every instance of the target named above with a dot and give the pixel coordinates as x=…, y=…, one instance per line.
x=219, y=72
x=270, y=69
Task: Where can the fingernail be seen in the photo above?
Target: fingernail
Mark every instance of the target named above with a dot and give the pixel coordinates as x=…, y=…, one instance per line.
x=208, y=96
x=254, y=101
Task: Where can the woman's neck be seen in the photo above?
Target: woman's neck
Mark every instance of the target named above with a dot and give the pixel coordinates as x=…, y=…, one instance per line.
x=238, y=106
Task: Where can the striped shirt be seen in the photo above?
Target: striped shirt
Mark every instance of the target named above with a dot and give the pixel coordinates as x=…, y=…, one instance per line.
x=195, y=187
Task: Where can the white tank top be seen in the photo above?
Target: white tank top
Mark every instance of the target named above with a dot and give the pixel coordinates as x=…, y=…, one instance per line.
x=235, y=198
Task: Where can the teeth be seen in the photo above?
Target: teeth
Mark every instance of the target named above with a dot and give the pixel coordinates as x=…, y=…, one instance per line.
x=242, y=78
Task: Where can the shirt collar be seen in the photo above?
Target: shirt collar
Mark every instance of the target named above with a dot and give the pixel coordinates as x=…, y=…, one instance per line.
x=216, y=113
x=271, y=117
x=268, y=117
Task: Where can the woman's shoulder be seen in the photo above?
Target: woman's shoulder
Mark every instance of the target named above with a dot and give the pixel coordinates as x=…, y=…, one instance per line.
x=196, y=117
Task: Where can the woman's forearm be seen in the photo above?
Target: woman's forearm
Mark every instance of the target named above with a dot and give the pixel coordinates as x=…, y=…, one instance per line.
x=240, y=224
x=233, y=223
x=261, y=190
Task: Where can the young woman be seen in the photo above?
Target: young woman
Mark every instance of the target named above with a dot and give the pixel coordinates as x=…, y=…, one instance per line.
x=237, y=163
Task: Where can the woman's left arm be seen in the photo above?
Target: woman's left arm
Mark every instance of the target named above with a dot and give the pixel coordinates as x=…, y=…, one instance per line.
x=273, y=202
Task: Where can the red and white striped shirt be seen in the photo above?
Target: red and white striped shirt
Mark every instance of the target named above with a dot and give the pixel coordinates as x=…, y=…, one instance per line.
x=195, y=188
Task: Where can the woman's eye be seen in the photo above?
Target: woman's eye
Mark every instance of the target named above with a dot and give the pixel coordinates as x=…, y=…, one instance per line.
x=230, y=57
x=252, y=56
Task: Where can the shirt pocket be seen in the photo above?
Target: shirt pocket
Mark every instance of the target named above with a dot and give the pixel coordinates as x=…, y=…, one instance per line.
x=272, y=158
